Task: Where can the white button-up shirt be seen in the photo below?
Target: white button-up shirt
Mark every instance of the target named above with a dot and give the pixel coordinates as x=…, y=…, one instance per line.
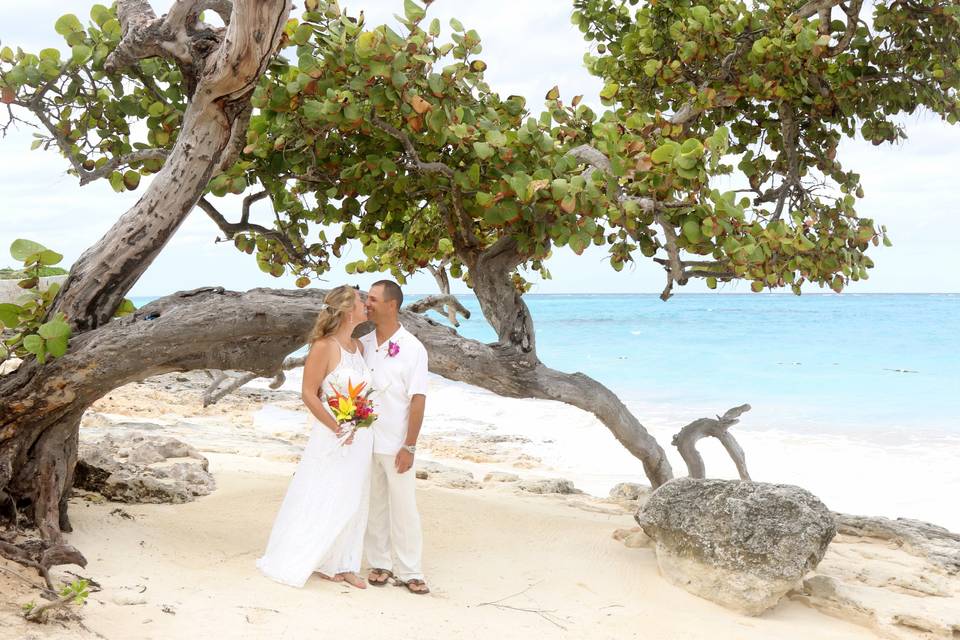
x=395, y=380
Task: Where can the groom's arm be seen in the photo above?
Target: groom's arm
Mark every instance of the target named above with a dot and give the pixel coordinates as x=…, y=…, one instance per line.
x=404, y=458
x=417, y=391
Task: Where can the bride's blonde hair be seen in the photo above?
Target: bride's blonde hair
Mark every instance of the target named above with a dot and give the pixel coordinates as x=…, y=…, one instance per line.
x=336, y=305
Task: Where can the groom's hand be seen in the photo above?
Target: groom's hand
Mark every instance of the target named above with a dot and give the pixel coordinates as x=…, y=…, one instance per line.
x=404, y=461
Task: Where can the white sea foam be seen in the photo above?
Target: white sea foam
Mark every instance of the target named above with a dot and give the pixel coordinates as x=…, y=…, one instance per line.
x=893, y=472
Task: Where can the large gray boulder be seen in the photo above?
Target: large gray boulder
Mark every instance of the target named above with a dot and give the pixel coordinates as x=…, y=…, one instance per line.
x=743, y=545
x=140, y=468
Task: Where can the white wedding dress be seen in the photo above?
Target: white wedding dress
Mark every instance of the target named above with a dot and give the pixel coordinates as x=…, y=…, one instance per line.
x=322, y=520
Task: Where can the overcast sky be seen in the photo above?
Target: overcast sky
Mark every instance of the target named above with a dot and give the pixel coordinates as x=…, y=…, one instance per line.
x=529, y=46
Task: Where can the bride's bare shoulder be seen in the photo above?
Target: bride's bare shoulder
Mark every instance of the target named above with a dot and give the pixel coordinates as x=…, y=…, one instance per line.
x=322, y=349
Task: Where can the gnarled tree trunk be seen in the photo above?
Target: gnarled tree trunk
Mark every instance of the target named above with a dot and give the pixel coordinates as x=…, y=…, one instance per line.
x=512, y=367
x=40, y=406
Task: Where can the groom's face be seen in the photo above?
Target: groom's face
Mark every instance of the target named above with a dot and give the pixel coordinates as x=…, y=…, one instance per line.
x=378, y=308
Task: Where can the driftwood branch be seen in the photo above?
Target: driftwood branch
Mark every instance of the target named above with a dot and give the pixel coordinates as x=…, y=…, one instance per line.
x=218, y=390
x=37, y=613
x=13, y=552
x=447, y=305
x=686, y=441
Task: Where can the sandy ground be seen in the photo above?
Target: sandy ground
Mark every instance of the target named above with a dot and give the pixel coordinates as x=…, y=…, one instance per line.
x=500, y=565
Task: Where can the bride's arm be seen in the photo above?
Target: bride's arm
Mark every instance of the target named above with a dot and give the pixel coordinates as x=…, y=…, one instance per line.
x=315, y=369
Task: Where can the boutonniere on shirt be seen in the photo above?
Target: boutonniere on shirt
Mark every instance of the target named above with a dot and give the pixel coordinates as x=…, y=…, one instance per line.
x=393, y=348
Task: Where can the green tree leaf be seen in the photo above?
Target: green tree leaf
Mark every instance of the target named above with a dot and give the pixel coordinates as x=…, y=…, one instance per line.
x=21, y=249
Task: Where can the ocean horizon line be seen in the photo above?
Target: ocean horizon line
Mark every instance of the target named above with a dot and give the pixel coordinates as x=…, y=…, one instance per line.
x=651, y=294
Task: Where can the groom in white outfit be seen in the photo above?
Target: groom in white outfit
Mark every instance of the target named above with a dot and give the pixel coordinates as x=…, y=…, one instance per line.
x=398, y=366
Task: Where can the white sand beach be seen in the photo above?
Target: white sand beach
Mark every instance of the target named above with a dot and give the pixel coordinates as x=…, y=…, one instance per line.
x=501, y=562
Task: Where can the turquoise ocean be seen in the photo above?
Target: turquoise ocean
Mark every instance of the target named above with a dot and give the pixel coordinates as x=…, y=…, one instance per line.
x=877, y=362
x=855, y=396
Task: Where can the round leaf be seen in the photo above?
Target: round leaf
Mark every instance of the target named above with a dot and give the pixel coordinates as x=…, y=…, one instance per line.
x=22, y=249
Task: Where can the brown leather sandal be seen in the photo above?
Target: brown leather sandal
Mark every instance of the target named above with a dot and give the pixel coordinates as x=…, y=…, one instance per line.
x=417, y=583
x=378, y=574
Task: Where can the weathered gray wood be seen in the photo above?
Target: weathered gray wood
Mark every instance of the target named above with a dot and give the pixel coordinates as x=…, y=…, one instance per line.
x=225, y=78
x=446, y=304
x=686, y=441
x=40, y=407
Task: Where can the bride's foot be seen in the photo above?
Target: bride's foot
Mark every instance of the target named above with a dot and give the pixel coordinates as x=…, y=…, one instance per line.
x=352, y=579
x=336, y=578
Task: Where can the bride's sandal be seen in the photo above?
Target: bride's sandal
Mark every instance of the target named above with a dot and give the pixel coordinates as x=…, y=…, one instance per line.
x=379, y=577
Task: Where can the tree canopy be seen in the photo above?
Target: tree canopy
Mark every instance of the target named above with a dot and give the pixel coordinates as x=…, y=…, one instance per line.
x=396, y=140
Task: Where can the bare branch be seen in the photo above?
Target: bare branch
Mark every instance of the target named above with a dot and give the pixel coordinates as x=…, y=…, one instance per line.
x=238, y=138
x=230, y=229
x=686, y=441
x=824, y=15
x=223, y=8
x=674, y=267
x=215, y=392
x=140, y=37
x=447, y=305
x=597, y=160
x=814, y=7
x=788, y=128
x=853, y=19
x=439, y=273
x=142, y=155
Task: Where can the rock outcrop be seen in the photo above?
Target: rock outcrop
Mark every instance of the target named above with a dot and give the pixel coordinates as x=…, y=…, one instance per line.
x=743, y=545
x=142, y=468
x=899, y=577
x=552, y=485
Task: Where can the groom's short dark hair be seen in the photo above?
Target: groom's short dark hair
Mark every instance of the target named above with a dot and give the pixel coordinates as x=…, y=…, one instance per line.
x=391, y=291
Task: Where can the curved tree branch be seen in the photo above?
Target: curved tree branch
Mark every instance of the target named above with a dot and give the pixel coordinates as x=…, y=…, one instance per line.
x=105, y=170
x=686, y=441
x=447, y=305
x=230, y=229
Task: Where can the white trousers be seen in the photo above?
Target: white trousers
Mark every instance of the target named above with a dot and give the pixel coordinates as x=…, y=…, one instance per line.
x=394, y=540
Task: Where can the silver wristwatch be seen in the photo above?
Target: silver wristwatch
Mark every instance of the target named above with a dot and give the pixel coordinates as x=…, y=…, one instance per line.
x=412, y=448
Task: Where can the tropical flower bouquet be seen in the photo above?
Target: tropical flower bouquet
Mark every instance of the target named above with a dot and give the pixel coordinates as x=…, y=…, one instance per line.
x=353, y=410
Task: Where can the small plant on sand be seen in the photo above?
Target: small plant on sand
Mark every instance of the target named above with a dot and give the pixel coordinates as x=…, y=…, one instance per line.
x=74, y=593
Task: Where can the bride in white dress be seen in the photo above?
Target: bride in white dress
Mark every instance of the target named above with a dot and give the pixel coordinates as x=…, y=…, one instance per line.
x=322, y=520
